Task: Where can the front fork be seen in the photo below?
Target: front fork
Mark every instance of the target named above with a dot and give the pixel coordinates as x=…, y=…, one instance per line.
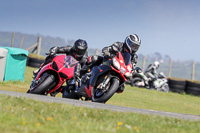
x=103, y=85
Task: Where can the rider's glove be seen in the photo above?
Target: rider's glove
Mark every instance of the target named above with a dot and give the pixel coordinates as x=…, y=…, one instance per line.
x=114, y=48
x=94, y=58
x=106, y=54
x=91, y=59
x=53, y=50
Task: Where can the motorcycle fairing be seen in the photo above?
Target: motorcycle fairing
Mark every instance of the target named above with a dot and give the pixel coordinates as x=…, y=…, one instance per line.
x=59, y=61
x=159, y=82
x=62, y=72
x=124, y=60
x=88, y=91
x=97, y=71
x=65, y=65
x=85, y=90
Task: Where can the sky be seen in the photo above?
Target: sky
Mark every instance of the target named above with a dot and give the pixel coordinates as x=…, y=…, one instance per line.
x=170, y=27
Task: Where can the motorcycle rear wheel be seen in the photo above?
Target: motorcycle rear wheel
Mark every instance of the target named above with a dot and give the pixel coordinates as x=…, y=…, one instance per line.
x=114, y=84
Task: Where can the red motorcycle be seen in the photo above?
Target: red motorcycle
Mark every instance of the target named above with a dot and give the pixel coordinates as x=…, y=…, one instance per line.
x=52, y=76
x=103, y=81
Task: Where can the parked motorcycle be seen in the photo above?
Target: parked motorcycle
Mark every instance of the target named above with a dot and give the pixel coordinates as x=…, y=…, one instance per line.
x=52, y=76
x=103, y=81
x=160, y=84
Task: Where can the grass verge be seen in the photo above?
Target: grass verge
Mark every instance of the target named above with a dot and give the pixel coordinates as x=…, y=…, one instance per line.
x=131, y=97
x=151, y=99
x=25, y=115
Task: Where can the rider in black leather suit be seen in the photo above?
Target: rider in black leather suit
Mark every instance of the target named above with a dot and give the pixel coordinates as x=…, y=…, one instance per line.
x=130, y=45
x=78, y=51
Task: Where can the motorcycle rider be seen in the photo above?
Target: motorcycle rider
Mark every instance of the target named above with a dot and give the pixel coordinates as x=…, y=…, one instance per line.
x=78, y=51
x=130, y=45
x=151, y=72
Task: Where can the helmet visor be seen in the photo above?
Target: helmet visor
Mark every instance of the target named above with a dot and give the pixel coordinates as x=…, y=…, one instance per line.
x=134, y=47
x=80, y=52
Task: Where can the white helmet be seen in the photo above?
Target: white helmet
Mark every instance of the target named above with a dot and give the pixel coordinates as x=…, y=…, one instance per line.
x=156, y=64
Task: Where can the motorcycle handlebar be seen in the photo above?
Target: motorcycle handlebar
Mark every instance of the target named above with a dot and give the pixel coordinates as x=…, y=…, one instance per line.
x=49, y=54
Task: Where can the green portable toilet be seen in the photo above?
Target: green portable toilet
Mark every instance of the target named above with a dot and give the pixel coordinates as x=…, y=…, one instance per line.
x=15, y=64
x=3, y=57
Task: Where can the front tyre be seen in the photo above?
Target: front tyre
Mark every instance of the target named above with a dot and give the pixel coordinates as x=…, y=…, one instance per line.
x=105, y=96
x=164, y=88
x=138, y=82
x=44, y=84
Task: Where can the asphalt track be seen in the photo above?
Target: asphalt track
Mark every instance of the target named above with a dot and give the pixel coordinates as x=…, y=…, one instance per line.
x=101, y=106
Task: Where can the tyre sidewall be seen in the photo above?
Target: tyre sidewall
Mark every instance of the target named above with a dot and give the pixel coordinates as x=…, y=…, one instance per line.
x=44, y=85
x=113, y=88
x=136, y=79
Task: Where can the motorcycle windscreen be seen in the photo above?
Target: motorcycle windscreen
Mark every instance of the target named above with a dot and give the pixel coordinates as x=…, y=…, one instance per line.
x=127, y=58
x=161, y=75
x=69, y=62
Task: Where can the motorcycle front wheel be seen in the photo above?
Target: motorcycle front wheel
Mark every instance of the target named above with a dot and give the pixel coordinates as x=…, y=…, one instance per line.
x=46, y=81
x=137, y=81
x=104, y=96
x=164, y=88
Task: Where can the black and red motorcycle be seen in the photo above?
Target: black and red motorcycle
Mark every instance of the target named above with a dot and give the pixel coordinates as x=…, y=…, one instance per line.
x=52, y=76
x=103, y=81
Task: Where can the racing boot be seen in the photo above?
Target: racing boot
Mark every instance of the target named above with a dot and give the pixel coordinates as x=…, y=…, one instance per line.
x=35, y=72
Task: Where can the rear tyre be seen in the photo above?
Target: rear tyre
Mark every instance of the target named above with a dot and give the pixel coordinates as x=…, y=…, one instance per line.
x=47, y=81
x=104, y=97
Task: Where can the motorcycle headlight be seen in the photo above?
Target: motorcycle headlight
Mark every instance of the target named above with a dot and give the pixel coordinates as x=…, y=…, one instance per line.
x=129, y=68
x=123, y=70
x=128, y=74
x=116, y=64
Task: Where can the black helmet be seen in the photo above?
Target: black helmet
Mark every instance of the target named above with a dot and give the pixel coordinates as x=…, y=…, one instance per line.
x=79, y=48
x=132, y=43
